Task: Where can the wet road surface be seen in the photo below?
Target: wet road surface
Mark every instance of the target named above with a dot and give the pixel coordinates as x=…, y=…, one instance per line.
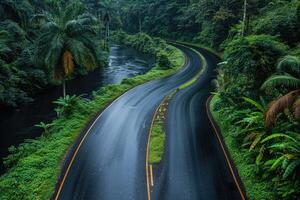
x=194, y=166
x=111, y=161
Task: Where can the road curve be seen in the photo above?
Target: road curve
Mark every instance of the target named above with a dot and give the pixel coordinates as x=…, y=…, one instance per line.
x=110, y=164
x=194, y=165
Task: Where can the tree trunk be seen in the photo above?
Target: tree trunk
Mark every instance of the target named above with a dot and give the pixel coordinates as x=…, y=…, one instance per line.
x=107, y=30
x=244, y=18
x=64, y=88
x=140, y=23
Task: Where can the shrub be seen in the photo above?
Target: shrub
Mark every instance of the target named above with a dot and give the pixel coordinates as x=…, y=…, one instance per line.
x=163, y=60
x=282, y=20
x=143, y=42
x=249, y=61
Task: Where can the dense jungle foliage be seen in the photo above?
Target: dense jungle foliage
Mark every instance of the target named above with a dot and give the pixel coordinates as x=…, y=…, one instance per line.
x=38, y=38
x=35, y=165
x=257, y=89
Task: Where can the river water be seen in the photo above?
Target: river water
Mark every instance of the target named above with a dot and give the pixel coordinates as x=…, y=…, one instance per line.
x=18, y=124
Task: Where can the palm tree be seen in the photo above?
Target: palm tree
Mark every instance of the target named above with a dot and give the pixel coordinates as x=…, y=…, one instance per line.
x=290, y=65
x=244, y=18
x=66, y=41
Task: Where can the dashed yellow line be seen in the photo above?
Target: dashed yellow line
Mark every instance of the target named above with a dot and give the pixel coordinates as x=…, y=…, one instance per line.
x=148, y=182
x=151, y=175
x=224, y=151
x=147, y=154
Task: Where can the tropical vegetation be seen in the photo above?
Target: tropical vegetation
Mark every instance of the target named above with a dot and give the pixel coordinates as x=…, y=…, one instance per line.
x=257, y=87
x=42, y=42
x=34, y=166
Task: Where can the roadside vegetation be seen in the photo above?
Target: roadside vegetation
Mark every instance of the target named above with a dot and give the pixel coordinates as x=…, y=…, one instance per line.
x=46, y=43
x=146, y=44
x=257, y=94
x=257, y=88
x=34, y=166
x=158, y=138
x=158, y=132
x=257, y=103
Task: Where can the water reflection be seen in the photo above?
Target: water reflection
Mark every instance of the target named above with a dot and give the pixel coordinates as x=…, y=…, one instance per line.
x=18, y=124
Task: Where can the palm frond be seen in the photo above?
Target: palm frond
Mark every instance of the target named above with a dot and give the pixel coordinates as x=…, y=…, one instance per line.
x=289, y=63
x=68, y=63
x=296, y=108
x=72, y=11
x=281, y=80
x=83, y=56
x=260, y=156
x=291, y=168
x=277, y=135
x=254, y=103
x=278, y=106
x=277, y=162
x=256, y=141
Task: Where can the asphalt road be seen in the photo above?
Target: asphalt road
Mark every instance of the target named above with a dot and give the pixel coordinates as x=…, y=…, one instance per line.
x=194, y=164
x=110, y=165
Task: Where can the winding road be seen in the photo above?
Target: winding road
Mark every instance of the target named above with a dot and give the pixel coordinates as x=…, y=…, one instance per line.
x=110, y=163
x=194, y=164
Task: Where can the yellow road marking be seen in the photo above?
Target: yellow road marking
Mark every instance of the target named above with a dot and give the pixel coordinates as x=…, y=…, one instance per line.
x=88, y=131
x=149, y=138
x=147, y=153
x=78, y=147
x=151, y=176
x=224, y=151
x=155, y=114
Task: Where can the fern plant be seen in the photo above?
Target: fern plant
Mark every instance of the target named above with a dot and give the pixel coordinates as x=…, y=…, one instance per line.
x=252, y=124
x=290, y=65
x=45, y=127
x=286, y=150
x=66, y=105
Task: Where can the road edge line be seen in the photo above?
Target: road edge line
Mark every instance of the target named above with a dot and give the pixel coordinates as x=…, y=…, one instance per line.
x=172, y=93
x=80, y=144
x=57, y=190
x=221, y=143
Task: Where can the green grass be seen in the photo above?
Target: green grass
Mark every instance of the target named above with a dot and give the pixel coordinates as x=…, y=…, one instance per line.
x=158, y=134
x=157, y=143
x=35, y=165
x=256, y=187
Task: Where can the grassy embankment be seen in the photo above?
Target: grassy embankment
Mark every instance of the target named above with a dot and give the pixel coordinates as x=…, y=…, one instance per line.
x=158, y=132
x=34, y=166
x=256, y=188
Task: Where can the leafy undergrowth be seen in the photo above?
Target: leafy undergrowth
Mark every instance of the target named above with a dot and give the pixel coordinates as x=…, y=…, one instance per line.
x=158, y=133
x=34, y=166
x=157, y=143
x=256, y=187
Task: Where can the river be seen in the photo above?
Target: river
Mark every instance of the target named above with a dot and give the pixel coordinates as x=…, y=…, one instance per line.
x=18, y=124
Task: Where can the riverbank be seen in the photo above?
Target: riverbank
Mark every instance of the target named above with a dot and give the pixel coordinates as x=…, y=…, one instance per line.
x=35, y=165
x=123, y=62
